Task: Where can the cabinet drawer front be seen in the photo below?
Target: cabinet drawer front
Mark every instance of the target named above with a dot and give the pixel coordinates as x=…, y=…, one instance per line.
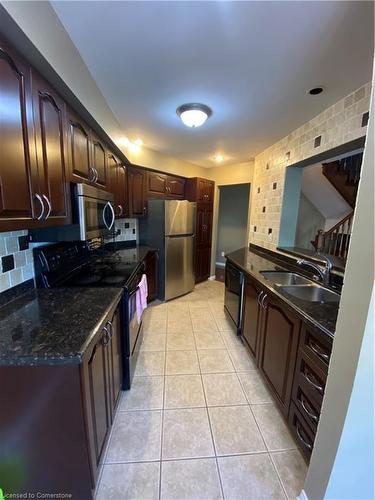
x=317, y=346
x=310, y=377
x=304, y=435
x=307, y=406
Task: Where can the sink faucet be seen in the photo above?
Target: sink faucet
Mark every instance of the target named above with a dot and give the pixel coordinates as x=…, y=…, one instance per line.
x=324, y=274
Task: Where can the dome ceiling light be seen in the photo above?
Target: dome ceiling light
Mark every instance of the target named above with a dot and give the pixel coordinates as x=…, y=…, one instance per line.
x=193, y=114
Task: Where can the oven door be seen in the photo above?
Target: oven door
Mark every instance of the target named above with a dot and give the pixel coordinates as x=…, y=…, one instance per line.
x=234, y=286
x=134, y=326
x=95, y=212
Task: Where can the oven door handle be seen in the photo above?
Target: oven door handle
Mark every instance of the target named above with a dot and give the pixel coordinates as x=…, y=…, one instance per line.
x=103, y=215
x=113, y=215
x=133, y=292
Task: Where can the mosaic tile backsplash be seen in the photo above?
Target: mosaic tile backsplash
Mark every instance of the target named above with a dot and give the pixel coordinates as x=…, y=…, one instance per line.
x=340, y=123
x=16, y=255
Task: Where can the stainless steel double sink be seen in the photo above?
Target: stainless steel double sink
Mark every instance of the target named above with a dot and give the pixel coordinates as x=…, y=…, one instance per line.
x=300, y=287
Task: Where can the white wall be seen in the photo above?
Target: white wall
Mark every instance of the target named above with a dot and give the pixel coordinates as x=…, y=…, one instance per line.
x=328, y=476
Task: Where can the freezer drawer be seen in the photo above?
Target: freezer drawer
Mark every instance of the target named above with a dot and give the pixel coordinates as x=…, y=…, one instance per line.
x=179, y=266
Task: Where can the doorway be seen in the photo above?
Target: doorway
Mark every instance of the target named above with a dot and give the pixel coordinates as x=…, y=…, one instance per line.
x=232, y=226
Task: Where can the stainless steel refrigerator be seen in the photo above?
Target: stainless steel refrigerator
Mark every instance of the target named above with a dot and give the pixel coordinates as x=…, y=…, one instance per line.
x=170, y=227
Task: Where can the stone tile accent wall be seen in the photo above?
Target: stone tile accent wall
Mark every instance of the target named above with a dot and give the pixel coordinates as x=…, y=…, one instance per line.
x=343, y=122
x=128, y=229
x=16, y=259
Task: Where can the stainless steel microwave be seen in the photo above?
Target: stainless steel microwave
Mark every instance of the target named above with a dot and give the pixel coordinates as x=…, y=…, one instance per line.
x=93, y=217
x=96, y=215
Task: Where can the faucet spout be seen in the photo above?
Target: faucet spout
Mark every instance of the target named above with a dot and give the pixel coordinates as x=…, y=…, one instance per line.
x=325, y=273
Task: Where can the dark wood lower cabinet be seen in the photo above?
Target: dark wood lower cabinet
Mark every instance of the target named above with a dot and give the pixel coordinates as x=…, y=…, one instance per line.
x=58, y=418
x=278, y=349
x=202, y=263
x=251, y=313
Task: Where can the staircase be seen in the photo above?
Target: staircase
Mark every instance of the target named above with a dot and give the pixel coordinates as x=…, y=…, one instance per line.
x=344, y=176
x=336, y=240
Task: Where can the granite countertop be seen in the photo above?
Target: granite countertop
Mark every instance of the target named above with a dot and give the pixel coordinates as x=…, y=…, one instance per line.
x=321, y=315
x=53, y=326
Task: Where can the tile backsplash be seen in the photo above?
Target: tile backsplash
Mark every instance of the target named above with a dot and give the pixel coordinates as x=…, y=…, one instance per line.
x=16, y=259
x=16, y=256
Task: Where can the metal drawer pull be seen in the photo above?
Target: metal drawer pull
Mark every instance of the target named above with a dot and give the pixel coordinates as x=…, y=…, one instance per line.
x=38, y=197
x=317, y=351
x=106, y=336
x=109, y=322
x=308, y=445
x=263, y=301
x=310, y=414
x=259, y=297
x=318, y=387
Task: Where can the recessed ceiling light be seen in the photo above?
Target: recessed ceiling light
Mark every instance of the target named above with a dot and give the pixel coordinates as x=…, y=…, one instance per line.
x=138, y=142
x=316, y=91
x=193, y=114
x=219, y=158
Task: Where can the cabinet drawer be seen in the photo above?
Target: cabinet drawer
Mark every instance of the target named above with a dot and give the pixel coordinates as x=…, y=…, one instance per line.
x=317, y=346
x=310, y=377
x=305, y=436
x=309, y=408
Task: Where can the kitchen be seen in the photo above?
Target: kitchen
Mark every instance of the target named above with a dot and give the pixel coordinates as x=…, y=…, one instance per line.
x=127, y=370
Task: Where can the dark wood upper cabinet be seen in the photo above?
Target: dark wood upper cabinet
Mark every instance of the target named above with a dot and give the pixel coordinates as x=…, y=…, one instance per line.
x=49, y=120
x=200, y=190
x=118, y=185
x=99, y=159
x=176, y=187
x=251, y=316
x=17, y=159
x=79, y=149
x=165, y=186
x=137, y=179
x=278, y=350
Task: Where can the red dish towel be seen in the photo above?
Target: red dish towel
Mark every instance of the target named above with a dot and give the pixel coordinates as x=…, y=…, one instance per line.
x=141, y=297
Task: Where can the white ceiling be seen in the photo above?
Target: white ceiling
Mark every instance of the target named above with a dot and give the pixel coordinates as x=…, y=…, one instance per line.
x=251, y=62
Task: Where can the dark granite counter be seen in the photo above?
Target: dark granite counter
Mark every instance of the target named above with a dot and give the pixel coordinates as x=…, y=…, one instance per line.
x=53, y=326
x=320, y=315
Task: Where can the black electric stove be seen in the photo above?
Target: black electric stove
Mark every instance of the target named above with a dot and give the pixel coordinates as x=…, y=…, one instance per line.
x=78, y=265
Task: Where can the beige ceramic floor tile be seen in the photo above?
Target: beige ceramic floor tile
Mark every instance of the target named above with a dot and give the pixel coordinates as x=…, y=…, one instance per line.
x=190, y=480
x=223, y=389
x=155, y=326
x=215, y=361
x=181, y=363
x=132, y=481
x=207, y=324
x=255, y=388
x=235, y=431
x=136, y=437
x=273, y=428
x=232, y=340
x=225, y=325
x=153, y=342
x=209, y=340
x=146, y=393
x=250, y=477
x=182, y=391
x=242, y=360
x=150, y=363
x=292, y=470
x=180, y=341
x=176, y=326
x=186, y=434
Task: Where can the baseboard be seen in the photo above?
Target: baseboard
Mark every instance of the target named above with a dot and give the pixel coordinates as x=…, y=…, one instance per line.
x=302, y=496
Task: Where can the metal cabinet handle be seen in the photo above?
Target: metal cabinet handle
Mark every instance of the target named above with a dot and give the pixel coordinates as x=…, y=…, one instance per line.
x=313, y=416
x=308, y=445
x=318, y=387
x=92, y=175
x=317, y=351
x=39, y=198
x=106, y=336
x=113, y=216
x=259, y=297
x=49, y=206
x=110, y=327
x=121, y=210
x=263, y=301
x=144, y=210
x=96, y=175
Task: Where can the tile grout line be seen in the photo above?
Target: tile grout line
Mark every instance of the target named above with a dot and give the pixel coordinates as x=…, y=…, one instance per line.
x=278, y=475
x=211, y=432
x=162, y=416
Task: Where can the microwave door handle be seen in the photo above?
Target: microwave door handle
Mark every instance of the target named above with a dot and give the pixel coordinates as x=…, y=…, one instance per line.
x=113, y=216
x=103, y=215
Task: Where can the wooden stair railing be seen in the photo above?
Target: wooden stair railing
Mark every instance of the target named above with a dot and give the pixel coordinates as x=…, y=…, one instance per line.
x=336, y=240
x=344, y=176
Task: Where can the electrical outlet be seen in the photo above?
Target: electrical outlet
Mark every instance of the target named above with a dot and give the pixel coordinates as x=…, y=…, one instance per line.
x=223, y=254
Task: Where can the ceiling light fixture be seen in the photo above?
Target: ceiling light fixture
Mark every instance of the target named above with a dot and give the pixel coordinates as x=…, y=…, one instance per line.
x=316, y=91
x=138, y=142
x=193, y=114
x=219, y=158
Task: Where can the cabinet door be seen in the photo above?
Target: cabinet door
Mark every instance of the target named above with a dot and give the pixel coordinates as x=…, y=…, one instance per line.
x=251, y=316
x=116, y=359
x=79, y=149
x=99, y=160
x=176, y=187
x=117, y=185
x=156, y=184
x=201, y=190
x=210, y=191
x=122, y=183
x=49, y=120
x=279, y=341
x=98, y=388
x=202, y=264
x=17, y=158
x=208, y=216
x=137, y=192
x=200, y=234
